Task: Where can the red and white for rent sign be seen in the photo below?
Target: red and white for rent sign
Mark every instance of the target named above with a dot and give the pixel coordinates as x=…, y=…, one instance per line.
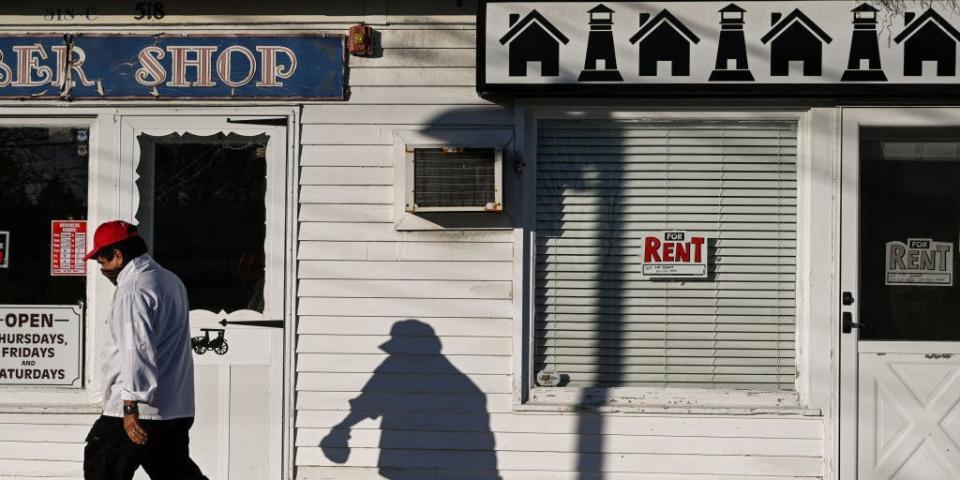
x=68, y=244
x=675, y=255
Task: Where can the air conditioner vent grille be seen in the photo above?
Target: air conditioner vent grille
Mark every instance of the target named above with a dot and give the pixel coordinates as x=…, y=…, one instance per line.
x=454, y=177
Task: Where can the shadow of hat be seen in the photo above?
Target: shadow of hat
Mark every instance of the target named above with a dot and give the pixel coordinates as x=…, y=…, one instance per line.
x=412, y=337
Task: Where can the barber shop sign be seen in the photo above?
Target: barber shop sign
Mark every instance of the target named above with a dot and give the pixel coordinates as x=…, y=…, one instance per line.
x=172, y=66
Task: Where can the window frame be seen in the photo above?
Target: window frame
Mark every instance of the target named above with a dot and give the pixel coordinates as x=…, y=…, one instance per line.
x=530, y=397
x=135, y=123
x=83, y=399
x=406, y=141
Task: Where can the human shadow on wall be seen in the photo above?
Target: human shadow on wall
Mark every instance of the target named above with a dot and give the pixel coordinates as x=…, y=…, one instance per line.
x=421, y=397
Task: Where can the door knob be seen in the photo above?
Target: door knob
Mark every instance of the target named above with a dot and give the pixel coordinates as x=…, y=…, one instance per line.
x=846, y=323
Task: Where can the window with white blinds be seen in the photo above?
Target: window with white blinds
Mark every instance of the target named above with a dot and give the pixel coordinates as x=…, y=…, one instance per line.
x=602, y=185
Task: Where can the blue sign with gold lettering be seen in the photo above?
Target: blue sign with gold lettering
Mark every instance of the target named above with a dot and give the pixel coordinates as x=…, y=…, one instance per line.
x=173, y=67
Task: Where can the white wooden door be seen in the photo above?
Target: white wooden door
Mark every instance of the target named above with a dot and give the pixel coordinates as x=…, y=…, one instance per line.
x=900, y=308
x=209, y=196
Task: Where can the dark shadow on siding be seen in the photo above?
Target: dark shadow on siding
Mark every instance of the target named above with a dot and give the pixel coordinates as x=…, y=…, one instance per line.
x=434, y=419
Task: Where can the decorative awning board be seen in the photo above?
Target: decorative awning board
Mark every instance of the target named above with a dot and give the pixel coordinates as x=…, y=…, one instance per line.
x=783, y=48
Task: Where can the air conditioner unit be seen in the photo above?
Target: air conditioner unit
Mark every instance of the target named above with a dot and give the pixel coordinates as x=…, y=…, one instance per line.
x=454, y=179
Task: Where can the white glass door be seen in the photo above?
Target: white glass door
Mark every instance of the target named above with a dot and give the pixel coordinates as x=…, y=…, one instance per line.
x=900, y=303
x=209, y=196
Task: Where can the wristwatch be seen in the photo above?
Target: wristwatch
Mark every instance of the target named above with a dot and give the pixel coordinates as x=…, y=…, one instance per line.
x=130, y=409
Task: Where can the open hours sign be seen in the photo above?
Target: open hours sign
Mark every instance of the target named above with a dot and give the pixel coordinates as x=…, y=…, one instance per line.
x=675, y=255
x=40, y=345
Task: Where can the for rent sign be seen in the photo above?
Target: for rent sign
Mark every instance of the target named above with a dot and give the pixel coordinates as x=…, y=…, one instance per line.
x=919, y=262
x=675, y=255
x=40, y=345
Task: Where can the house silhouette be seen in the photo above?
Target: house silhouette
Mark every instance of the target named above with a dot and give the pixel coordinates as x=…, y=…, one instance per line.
x=664, y=38
x=928, y=38
x=533, y=39
x=795, y=38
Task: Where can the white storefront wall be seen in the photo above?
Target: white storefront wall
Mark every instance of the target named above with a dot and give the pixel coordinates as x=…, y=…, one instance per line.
x=358, y=269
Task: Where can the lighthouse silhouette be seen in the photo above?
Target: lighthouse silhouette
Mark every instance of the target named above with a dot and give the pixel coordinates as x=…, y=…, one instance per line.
x=731, y=48
x=601, y=61
x=864, y=64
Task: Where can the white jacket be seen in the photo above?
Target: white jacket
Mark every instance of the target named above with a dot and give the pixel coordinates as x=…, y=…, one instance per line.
x=147, y=355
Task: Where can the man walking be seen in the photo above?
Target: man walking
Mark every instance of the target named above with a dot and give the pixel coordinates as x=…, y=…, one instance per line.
x=147, y=366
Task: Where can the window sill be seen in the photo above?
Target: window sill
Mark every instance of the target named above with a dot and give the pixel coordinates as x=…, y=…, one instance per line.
x=452, y=221
x=651, y=409
x=666, y=401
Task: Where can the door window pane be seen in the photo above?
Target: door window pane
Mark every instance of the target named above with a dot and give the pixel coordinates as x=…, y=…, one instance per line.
x=43, y=177
x=202, y=211
x=909, y=229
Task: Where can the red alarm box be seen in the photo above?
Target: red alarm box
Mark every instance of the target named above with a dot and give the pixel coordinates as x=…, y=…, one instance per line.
x=360, y=40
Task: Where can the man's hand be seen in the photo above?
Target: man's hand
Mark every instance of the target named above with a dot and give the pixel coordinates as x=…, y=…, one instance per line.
x=131, y=423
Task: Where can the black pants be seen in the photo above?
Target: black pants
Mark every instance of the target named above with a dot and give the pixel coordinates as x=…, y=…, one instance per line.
x=111, y=455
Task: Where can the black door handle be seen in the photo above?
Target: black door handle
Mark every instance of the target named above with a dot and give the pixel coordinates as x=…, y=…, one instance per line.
x=846, y=323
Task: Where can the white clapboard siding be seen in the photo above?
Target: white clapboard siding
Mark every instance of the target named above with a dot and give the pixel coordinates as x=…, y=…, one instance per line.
x=42, y=469
x=367, y=363
x=565, y=462
x=422, y=270
x=48, y=446
x=382, y=195
x=404, y=289
x=496, y=346
x=418, y=58
x=416, y=95
x=411, y=115
x=46, y=451
x=445, y=76
x=444, y=327
x=403, y=402
x=374, y=232
x=399, y=382
x=16, y=420
x=407, y=307
x=45, y=477
x=372, y=135
x=535, y=442
x=34, y=432
x=428, y=38
x=721, y=428
x=346, y=176
x=358, y=276
x=346, y=213
x=346, y=156
x=372, y=473
x=408, y=251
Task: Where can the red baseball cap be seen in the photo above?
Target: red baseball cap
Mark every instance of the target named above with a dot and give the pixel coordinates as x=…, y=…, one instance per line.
x=109, y=233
